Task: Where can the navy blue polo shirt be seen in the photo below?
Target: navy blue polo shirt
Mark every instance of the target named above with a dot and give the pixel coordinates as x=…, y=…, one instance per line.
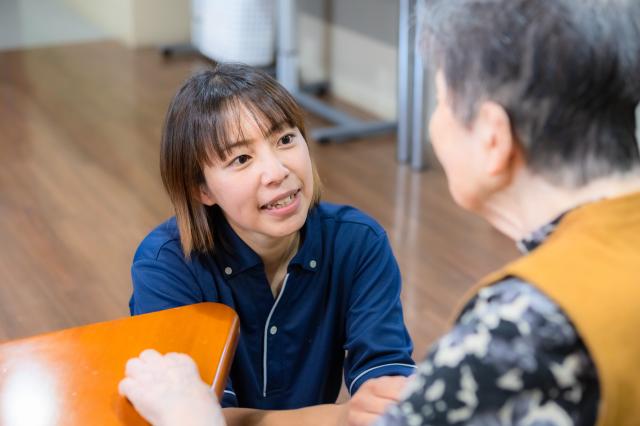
x=338, y=310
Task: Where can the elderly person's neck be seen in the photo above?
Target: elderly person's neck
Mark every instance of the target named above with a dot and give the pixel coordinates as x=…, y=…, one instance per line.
x=529, y=201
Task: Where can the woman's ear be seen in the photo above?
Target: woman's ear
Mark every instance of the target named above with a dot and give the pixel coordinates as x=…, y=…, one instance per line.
x=206, y=197
x=498, y=144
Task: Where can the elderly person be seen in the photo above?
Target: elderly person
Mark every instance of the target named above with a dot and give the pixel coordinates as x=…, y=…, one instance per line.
x=535, y=129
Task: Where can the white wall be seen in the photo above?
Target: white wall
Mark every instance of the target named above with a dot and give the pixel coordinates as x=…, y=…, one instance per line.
x=115, y=17
x=313, y=47
x=138, y=23
x=157, y=22
x=363, y=72
x=37, y=23
x=353, y=44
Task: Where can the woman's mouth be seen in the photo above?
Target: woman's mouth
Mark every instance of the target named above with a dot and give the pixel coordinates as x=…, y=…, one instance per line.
x=283, y=202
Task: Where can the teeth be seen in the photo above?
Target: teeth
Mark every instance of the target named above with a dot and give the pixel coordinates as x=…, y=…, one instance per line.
x=282, y=203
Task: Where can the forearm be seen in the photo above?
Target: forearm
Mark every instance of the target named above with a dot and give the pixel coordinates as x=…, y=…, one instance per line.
x=318, y=415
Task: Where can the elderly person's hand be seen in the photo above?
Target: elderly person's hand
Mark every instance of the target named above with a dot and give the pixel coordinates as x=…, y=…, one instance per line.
x=167, y=390
x=372, y=400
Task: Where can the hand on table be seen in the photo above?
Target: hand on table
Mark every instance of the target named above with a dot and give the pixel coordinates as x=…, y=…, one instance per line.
x=167, y=390
x=372, y=400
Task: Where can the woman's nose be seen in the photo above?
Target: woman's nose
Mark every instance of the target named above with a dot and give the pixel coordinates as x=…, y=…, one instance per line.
x=274, y=170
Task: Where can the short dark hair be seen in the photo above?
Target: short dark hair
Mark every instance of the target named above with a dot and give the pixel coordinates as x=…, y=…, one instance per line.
x=566, y=72
x=202, y=122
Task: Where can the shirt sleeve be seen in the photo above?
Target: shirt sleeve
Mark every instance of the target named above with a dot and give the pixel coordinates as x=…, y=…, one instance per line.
x=229, y=398
x=377, y=341
x=163, y=281
x=512, y=358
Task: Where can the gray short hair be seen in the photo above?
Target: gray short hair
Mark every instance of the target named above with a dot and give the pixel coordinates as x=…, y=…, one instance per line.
x=566, y=71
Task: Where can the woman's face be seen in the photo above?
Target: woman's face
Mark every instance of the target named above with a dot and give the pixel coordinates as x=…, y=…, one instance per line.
x=265, y=185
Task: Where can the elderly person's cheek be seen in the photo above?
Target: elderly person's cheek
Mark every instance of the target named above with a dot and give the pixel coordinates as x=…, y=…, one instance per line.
x=447, y=138
x=462, y=186
x=442, y=136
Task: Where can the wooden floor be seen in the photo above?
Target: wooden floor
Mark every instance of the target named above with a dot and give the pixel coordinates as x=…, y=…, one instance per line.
x=80, y=187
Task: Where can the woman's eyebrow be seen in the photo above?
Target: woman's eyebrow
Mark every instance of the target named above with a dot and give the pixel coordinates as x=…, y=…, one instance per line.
x=238, y=144
x=245, y=142
x=276, y=127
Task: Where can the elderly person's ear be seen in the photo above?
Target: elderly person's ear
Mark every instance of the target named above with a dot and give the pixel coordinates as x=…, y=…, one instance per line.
x=497, y=144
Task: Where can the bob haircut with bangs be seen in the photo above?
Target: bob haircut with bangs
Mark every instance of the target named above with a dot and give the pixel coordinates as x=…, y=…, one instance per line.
x=202, y=121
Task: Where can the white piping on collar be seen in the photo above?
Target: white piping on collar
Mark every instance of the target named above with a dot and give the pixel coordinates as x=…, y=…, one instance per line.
x=266, y=327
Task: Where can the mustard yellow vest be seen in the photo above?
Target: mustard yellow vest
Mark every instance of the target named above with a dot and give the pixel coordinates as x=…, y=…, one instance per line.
x=590, y=266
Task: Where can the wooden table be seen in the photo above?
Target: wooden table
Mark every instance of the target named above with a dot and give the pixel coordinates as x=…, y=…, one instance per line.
x=70, y=377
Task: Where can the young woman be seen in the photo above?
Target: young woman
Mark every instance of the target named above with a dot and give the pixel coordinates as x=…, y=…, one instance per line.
x=546, y=151
x=315, y=285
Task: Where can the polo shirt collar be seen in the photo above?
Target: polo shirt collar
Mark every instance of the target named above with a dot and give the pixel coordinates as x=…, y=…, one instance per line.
x=234, y=256
x=309, y=255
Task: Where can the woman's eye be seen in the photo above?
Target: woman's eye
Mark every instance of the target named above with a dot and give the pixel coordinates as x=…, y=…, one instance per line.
x=240, y=160
x=287, y=139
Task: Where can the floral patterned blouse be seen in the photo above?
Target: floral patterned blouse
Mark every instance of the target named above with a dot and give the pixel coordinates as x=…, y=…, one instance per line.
x=513, y=358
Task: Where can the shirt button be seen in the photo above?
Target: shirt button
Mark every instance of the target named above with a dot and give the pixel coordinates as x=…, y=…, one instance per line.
x=313, y=263
x=273, y=329
x=228, y=270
